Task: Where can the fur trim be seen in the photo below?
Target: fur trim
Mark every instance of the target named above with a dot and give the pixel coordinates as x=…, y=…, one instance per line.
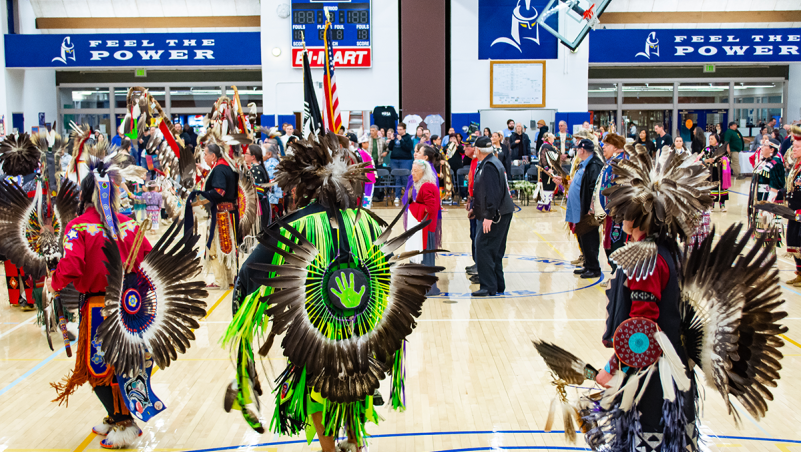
x=104, y=427
x=122, y=435
x=347, y=446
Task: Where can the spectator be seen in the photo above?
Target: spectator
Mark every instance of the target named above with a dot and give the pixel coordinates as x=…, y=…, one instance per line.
x=402, y=148
x=510, y=127
x=719, y=128
x=579, y=201
x=186, y=135
x=586, y=125
x=424, y=203
x=455, y=153
x=776, y=135
x=733, y=140
x=418, y=135
x=426, y=137
x=391, y=136
x=678, y=145
x=787, y=142
x=642, y=139
x=564, y=140
x=663, y=138
x=526, y=143
x=633, y=131
x=289, y=130
x=376, y=146
x=771, y=125
x=487, y=132
x=504, y=154
x=699, y=141
x=493, y=210
x=541, y=136
x=756, y=144
x=517, y=145
x=117, y=140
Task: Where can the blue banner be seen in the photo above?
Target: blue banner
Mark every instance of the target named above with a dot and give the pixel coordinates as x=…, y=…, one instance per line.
x=133, y=50
x=722, y=45
x=508, y=30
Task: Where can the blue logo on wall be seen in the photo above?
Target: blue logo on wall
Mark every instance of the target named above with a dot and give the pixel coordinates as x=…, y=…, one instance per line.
x=133, y=50
x=508, y=30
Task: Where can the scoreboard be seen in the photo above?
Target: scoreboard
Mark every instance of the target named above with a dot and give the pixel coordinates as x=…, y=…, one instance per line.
x=350, y=32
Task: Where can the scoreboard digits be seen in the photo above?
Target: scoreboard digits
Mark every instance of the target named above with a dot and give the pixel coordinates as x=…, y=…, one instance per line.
x=350, y=22
x=349, y=31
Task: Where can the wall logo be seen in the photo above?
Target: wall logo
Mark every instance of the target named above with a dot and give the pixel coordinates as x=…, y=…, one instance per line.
x=651, y=46
x=525, y=20
x=67, y=51
x=508, y=30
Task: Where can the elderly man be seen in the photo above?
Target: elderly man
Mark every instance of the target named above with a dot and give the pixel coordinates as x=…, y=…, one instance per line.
x=376, y=146
x=493, y=209
x=579, y=201
x=564, y=144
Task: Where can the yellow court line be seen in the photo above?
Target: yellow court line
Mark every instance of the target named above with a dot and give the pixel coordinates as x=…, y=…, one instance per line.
x=549, y=244
x=92, y=435
x=784, y=336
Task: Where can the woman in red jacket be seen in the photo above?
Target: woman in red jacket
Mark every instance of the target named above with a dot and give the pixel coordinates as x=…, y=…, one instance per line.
x=424, y=200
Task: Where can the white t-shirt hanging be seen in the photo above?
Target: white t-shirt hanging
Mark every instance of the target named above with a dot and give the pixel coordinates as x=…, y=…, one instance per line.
x=412, y=121
x=434, y=123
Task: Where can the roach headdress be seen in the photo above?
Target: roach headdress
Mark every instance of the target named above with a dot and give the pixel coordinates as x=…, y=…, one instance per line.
x=321, y=170
x=664, y=195
x=18, y=155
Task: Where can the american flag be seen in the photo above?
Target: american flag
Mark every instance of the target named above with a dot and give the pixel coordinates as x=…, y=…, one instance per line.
x=333, y=120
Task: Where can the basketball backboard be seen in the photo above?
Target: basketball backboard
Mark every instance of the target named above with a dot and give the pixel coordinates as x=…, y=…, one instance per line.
x=576, y=19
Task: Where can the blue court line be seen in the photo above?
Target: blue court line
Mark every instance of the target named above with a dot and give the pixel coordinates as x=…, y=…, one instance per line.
x=35, y=368
x=482, y=432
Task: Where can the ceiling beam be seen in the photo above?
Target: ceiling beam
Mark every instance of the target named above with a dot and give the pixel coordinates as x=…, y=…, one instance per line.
x=694, y=17
x=74, y=23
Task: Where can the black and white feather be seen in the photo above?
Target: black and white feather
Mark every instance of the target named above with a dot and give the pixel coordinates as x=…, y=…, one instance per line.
x=736, y=300
x=248, y=204
x=23, y=239
x=154, y=308
x=564, y=364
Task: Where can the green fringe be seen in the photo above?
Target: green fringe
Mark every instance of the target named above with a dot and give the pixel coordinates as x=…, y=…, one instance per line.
x=399, y=380
x=294, y=414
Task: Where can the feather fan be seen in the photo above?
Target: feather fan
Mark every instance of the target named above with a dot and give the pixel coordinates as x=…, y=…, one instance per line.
x=154, y=308
x=777, y=209
x=248, y=204
x=736, y=299
x=21, y=232
x=564, y=364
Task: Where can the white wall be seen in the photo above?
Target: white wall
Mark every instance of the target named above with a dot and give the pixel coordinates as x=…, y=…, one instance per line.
x=565, y=78
x=358, y=89
x=27, y=91
x=794, y=94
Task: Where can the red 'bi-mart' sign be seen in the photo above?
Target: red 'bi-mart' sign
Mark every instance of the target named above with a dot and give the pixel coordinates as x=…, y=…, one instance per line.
x=343, y=57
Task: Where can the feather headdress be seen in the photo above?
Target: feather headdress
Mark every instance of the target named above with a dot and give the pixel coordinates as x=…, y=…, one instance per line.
x=106, y=175
x=18, y=155
x=322, y=170
x=664, y=195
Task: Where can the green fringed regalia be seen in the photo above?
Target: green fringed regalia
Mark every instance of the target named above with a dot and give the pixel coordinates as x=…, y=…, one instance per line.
x=326, y=277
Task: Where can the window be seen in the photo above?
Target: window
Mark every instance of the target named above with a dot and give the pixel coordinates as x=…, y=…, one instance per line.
x=704, y=93
x=78, y=98
x=196, y=96
x=648, y=93
x=602, y=94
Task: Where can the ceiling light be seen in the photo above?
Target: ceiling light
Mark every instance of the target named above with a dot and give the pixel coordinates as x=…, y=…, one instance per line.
x=276, y=51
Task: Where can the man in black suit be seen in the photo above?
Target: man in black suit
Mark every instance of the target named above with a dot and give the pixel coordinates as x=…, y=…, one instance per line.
x=493, y=209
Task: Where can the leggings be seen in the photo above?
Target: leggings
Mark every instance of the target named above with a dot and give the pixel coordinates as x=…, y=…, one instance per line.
x=105, y=394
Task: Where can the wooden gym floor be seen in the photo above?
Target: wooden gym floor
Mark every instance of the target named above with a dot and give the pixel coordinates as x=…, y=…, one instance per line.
x=474, y=380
